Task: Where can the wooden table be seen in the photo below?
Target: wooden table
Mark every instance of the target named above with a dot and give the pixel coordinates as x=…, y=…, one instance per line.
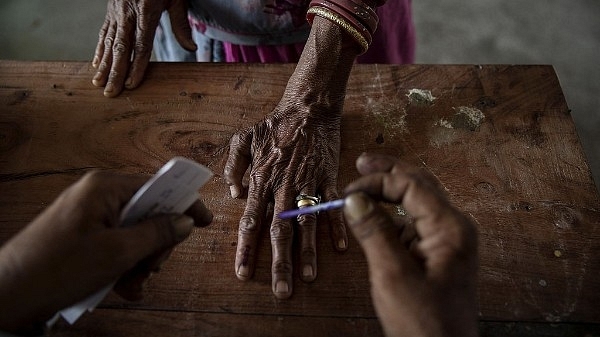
x=500, y=139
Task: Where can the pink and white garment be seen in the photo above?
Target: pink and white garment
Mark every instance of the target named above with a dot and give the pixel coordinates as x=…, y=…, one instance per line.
x=274, y=31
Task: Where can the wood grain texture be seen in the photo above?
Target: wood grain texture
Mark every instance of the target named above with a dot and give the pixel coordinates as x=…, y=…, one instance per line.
x=499, y=138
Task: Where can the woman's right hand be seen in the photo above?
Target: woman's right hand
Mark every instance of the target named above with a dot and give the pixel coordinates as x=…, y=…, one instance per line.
x=125, y=42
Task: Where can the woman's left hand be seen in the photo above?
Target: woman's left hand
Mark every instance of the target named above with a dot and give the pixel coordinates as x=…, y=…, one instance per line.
x=293, y=151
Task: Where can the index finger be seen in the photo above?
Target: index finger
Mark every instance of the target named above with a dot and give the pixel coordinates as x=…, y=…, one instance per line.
x=100, y=46
x=121, y=55
x=249, y=229
x=142, y=48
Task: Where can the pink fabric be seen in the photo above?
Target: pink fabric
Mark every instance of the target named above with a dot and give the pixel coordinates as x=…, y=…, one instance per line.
x=393, y=42
x=394, y=39
x=287, y=53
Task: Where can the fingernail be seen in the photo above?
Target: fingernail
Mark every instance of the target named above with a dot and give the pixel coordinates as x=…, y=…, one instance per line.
x=281, y=287
x=129, y=83
x=95, y=62
x=342, y=244
x=182, y=226
x=96, y=79
x=235, y=191
x=308, y=271
x=243, y=271
x=357, y=207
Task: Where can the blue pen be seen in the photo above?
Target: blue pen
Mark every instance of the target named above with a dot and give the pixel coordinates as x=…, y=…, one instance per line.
x=326, y=206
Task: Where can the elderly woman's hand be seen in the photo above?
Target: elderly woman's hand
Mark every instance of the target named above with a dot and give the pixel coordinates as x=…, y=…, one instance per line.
x=125, y=43
x=293, y=151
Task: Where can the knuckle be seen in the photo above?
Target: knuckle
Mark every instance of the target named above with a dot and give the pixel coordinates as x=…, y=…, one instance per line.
x=103, y=65
x=229, y=172
x=266, y=170
x=108, y=42
x=114, y=75
x=308, y=254
x=282, y=267
x=281, y=231
x=120, y=46
x=248, y=225
x=142, y=48
x=307, y=221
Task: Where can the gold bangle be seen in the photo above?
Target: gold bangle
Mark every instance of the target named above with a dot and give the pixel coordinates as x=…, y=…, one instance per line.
x=331, y=16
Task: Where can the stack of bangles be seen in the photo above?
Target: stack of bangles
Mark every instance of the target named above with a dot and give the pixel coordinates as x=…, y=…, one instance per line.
x=354, y=16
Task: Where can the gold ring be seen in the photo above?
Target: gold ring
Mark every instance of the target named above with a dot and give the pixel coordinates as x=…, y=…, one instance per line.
x=304, y=200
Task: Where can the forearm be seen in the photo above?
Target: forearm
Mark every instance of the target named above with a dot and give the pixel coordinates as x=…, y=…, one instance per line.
x=322, y=73
x=341, y=30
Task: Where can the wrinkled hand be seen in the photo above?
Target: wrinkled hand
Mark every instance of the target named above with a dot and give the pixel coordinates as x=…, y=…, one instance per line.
x=76, y=247
x=125, y=43
x=422, y=273
x=292, y=151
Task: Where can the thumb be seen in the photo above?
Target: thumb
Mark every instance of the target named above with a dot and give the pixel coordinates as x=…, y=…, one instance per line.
x=376, y=233
x=238, y=161
x=181, y=26
x=157, y=233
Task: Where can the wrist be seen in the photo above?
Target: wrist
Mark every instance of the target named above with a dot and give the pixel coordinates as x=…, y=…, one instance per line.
x=320, y=78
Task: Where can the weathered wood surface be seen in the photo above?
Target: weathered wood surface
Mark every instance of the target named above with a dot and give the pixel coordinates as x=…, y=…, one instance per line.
x=519, y=171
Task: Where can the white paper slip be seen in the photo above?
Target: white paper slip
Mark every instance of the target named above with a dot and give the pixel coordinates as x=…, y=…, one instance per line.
x=172, y=190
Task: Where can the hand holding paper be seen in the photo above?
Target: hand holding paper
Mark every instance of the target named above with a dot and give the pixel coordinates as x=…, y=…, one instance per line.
x=77, y=246
x=172, y=190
